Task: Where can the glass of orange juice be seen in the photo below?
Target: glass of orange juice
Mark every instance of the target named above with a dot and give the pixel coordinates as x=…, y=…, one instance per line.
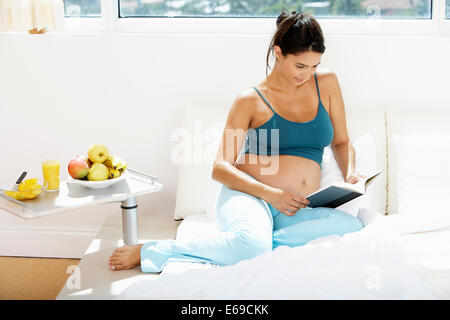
x=51, y=170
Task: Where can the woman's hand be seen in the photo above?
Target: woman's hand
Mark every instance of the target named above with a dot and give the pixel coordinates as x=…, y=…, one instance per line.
x=354, y=177
x=286, y=202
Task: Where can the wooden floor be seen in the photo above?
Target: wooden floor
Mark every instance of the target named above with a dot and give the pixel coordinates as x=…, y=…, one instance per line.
x=33, y=278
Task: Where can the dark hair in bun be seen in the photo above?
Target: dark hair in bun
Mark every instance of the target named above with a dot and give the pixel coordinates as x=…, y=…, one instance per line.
x=296, y=33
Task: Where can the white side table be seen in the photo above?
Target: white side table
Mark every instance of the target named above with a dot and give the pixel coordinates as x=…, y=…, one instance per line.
x=71, y=196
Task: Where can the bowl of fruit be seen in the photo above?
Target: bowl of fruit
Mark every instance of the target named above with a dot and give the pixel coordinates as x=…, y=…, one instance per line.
x=28, y=189
x=97, y=169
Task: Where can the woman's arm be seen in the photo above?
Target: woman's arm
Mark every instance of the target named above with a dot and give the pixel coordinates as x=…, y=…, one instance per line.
x=343, y=150
x=345, y=158
x=224, y=171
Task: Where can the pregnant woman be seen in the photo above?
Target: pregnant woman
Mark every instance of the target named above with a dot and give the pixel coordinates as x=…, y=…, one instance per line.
x=283, y=123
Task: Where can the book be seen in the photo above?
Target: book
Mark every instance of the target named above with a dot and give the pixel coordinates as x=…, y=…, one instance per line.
x=338, y=193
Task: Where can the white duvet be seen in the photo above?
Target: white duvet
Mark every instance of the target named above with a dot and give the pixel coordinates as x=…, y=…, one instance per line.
x=369, y=264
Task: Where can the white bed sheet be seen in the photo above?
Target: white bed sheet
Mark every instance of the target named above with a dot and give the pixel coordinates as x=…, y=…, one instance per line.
x=429, y=254
x=382, y=261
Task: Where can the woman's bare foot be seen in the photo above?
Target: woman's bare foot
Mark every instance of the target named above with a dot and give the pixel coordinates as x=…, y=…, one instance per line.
x=125, y=257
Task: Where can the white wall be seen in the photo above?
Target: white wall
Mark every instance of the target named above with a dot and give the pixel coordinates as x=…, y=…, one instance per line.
x=66, y=92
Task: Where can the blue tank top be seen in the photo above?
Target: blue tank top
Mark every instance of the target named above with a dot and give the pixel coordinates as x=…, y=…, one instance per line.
x=302, y=139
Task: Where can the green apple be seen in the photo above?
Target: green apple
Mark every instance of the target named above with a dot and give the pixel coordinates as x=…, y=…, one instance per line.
x=98, y=172
x=98, y=153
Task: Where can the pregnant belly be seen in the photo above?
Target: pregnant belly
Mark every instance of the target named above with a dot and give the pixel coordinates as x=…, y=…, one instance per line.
x=291, y=173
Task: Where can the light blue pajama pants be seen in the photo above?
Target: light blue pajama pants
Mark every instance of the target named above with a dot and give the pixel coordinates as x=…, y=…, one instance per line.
x=249, y=227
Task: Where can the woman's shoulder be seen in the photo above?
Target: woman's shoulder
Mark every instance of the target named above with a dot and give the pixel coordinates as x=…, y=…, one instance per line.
x=246, y=98
x=328, y=81
x=326, y=75
x=327, y=78
x=242, y=110
x=247, y=95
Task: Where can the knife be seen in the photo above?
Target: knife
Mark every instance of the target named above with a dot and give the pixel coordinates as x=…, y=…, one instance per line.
x=15, y=188
x=22, y=176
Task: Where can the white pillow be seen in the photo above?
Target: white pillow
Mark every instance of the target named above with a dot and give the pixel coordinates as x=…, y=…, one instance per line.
x=423, y=175
x=365, y=162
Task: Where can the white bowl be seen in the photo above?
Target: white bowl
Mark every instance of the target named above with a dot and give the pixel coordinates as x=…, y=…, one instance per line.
x=98, y=184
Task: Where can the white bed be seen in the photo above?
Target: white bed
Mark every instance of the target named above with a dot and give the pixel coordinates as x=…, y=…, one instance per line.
x=378, y=262
x=402, y=253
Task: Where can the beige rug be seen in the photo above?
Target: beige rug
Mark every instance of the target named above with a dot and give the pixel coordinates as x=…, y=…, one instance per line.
x=33, y=278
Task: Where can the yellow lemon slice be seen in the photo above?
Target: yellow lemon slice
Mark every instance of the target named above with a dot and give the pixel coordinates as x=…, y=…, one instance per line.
x=19, y=196
x=28, y=195
x=27, y=190
x=24, y=195
x=30, y=181
x=11, y=194
x=29, y=184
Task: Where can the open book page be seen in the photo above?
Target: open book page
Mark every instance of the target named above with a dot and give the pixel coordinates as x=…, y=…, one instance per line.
x=340, y=192
x=370, y=178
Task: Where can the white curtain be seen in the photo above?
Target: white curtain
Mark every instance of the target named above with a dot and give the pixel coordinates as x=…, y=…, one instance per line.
x=24, y=15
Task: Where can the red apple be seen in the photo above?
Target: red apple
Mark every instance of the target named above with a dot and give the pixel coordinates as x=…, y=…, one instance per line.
x=78, y=168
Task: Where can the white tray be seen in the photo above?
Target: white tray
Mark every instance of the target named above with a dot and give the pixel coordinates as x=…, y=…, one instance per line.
x=72, y=195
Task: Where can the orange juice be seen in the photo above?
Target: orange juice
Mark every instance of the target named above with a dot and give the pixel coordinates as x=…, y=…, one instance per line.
x=50, y=170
